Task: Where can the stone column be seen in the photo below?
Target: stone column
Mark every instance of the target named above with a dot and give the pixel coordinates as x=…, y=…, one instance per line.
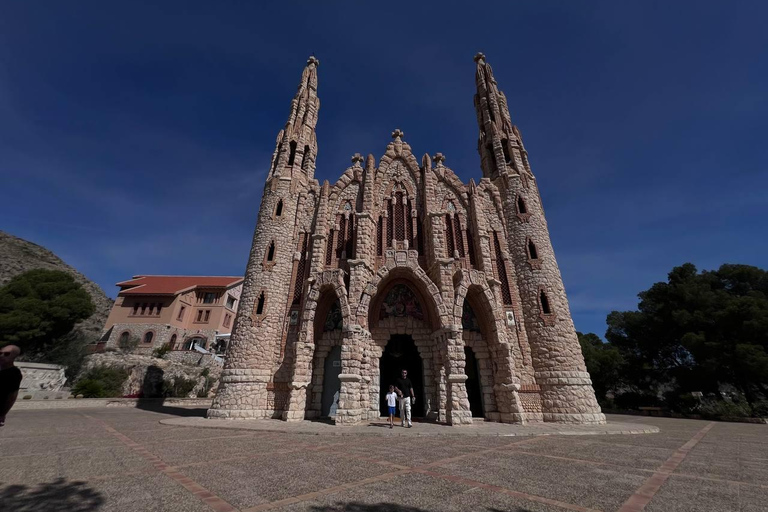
x=349, y=412
x=457, y=402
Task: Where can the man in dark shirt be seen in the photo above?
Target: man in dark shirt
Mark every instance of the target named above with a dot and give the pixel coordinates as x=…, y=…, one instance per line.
x=404, y=389
x=10, y=380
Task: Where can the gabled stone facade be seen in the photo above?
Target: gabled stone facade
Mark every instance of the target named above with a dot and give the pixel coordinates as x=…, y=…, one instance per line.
x=401, y=265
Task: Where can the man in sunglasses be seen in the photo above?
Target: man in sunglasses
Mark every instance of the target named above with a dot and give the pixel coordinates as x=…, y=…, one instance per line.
x=404, y=388
x=10, y=379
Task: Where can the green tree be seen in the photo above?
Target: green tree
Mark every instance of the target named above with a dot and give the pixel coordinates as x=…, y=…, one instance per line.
x=41, y=306
x=696, y=332
x=604, y=363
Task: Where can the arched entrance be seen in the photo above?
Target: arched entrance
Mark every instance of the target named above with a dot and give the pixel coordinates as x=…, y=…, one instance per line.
x=474, y=391
x=399, y=354
x=331, y=383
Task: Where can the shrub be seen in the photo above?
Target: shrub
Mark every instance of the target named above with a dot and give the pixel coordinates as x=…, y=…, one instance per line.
x=180, y=387
x=206, y=372
x=633, y=400
x=160, y=352
x=716, y=409
x=101, y=382
x=760, y=409
x=88, y=388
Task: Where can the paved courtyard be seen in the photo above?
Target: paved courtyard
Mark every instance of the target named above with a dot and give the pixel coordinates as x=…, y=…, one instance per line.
x=122, y=459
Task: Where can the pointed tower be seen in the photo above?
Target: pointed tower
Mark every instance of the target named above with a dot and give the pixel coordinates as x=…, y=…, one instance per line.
x=276, y=269
x=562, y=385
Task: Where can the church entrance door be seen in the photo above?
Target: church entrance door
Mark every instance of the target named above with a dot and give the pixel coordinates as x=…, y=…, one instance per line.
x=331, y=383
x=474, y=392
x=401, y=353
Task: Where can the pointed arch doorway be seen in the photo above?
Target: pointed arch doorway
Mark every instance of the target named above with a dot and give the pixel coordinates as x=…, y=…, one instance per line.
x=401, y=353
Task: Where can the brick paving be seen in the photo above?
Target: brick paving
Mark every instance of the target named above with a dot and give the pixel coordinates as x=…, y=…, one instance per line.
x=126, y=460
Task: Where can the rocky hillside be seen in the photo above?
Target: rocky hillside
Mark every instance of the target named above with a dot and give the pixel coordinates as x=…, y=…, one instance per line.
x=18, y=256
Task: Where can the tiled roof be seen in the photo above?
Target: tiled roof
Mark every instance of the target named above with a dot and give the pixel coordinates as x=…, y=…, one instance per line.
x=173, y=285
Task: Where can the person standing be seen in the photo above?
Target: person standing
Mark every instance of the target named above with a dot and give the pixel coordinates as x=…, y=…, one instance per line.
x=10, y=379
x=391, y=403
x=404, y=388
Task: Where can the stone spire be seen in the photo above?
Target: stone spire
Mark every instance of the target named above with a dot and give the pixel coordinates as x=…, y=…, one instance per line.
x=498, y=136
x=297, y=143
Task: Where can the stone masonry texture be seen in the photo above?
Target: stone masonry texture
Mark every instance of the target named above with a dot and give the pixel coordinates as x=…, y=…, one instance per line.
x=401, y=265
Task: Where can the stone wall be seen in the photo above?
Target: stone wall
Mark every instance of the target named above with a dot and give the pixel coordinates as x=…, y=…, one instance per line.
x=41, y=377
x=146, y=374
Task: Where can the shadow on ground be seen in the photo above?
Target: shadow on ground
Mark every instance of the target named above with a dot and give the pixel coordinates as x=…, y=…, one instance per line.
x=56, y=496
x=152, y=389
x=386, y=507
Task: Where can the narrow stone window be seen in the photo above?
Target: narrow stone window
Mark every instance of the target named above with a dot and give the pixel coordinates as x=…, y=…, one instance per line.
x=458, y=235
x=349, y=242
x=544, y=303
x=124, y=337
x=380, y=236
x=181, y=313
x=341, y=242
x=501, y=271
x=450, y=244
x=471, y=248
x=390, y=220
x=279, y=208
x=172, y=345
x=305, y=158
x=505, y=148
x=148, y=337
x=260, y=304
x=271, y=251
x=521, y=208
x=532, y=253
x=399, y=218
x=292, y=155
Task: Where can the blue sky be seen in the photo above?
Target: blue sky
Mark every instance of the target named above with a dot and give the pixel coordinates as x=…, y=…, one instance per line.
x=134, y=138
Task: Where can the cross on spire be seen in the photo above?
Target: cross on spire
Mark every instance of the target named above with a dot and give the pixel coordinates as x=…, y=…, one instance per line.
x=398, y=134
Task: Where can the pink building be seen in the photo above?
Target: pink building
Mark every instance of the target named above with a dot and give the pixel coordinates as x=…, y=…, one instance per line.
x=182, y=311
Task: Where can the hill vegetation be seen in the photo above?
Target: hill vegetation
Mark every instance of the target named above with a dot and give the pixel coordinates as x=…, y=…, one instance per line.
x=699, y=332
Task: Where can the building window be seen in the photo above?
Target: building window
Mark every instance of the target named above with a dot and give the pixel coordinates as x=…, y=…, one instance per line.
x=271, y=251
x=260, y=304
x=292, y=156
x=181, y=313
x=148, y=337
x=209, y=298
x=279, y=208
x=304, y=158
x=545, y=309
x=144, y=309
x=173, y=342
x=450, y=244
x=207, y=315
x=532, y=253
x=159, y=308
x=135, y=308
x=124, y=337
x=199, y=315
x=231, y=302
x=521, y=208
x=227, y=318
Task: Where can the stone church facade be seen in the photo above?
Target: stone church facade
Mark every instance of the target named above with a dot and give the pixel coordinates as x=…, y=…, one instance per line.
x=401, y=265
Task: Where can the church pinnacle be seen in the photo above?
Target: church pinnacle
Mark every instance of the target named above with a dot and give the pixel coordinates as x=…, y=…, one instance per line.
x=297, y=143
x=497, y=134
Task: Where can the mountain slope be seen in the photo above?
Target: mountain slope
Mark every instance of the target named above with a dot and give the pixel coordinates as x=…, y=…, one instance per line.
x=18, y=256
